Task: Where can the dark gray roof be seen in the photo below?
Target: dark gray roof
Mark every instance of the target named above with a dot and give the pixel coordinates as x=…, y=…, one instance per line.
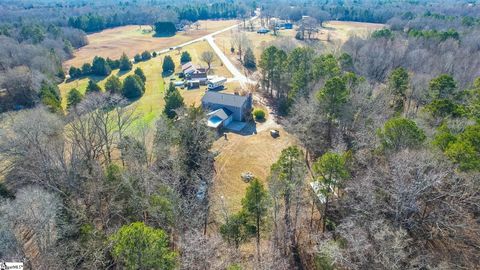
x=224, y=99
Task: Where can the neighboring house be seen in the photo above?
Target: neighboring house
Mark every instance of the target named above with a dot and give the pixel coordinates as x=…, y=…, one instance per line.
x=262, y=31
x=288, y=25
x=225, y=108
x=192, y=72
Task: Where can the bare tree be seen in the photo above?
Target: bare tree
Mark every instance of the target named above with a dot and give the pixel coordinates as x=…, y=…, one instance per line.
x=32, y=216
x=208, y=57
x=240, y=41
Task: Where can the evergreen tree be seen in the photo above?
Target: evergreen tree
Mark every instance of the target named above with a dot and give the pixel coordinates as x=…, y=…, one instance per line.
x=255, y=205
x=49, y=94
x=113, y=85
x=146, y=55
x=132, y=87
x=442, y=86
x=185, y=57
x=399, y=133
x=168, y=64
x=333, y=97
x=139, y=72
x=113, y=64
x=173, y=100
x=137, y=58
x=330, y=171
x=92, y=87
x=74, y=73
x=74, y=97
x=125, y=63
x=86, y=69
x=100, y=67
x=398, y=84
x=138, y=246
x=237, y=229
x=249, y=60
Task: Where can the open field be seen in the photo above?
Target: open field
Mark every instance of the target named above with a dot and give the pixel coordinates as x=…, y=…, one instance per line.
x=135, y=39
x=340, y=30
x=258, y=42
x=238, y=154
x=151, y=103
x=333, y=33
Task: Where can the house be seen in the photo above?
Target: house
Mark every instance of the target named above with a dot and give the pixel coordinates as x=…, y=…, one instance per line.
x=219, y=118
x=262, y=31
x=192, y=72
x=225, y=108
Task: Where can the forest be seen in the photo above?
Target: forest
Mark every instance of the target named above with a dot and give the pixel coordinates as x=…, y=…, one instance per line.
x=385, y=173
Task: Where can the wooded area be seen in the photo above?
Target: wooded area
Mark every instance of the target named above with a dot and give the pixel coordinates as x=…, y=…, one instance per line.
x=384, y=172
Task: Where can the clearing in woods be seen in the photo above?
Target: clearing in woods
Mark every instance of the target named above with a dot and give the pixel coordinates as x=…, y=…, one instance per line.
x=133, y=39
x=332, y=35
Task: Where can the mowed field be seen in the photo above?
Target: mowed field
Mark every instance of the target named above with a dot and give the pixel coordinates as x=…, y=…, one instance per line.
x=151, y=103
x=342, y=31
x=239, y=154
x=135, y=39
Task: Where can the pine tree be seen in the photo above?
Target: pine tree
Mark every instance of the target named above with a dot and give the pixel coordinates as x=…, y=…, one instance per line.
x=249, y=60
x=125, y=63
x=173, y=100
x=139, y=72
x=185, y=57
x=92, y=87
x=100, y=67
x=113, y=85
x=255, y=205
x=74, y=97
x=168, y=64
x=132, y=87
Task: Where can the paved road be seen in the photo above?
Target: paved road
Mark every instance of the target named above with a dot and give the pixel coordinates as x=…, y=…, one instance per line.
x=237, y=74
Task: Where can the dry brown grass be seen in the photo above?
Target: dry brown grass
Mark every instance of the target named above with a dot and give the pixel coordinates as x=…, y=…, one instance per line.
x=238, y=154
x=342, y=31
x=135, y=39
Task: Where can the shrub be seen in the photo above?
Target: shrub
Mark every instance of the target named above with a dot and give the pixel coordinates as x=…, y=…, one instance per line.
x=259, y=114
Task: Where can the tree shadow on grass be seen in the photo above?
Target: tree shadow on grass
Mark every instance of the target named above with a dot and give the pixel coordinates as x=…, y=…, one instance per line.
x=122, y=72
x=167, y=73
x=163, y=35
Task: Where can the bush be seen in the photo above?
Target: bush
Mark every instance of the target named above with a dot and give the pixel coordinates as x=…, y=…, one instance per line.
x=259, y=114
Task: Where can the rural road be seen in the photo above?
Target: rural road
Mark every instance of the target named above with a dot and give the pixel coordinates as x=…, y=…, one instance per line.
x=237, y=74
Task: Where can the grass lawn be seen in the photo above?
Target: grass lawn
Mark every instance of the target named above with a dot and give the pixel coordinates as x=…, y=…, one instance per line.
x=253, y=153
x=151, y=103
x=342, y=31
x=133, y=39
x=258, y=42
